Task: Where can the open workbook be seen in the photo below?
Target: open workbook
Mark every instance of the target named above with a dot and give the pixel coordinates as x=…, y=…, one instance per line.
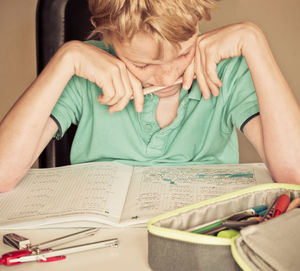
x=113, y=194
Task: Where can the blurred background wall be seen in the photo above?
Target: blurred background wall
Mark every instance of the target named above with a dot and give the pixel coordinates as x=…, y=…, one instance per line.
x=279, y=19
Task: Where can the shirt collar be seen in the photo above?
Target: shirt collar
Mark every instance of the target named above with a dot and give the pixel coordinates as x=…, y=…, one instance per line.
x=194, y=92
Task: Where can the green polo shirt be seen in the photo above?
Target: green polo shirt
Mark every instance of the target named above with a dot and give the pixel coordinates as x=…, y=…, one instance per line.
x=203, y=131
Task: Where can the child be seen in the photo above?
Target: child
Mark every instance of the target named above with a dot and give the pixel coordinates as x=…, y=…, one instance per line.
x=149, y=43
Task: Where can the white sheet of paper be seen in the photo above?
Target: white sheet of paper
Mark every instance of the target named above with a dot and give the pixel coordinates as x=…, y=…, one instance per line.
x=156, y=190
x=118, y=195
x=58, y=194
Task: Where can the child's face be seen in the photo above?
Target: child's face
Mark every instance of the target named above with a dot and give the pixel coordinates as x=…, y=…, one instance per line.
x=139, y=55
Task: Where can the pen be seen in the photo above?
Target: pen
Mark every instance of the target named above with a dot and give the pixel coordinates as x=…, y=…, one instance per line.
x=63, y=239
x=255, y=210
x=269, y=214
x=216, y=225
x=238, y=225
x=49, y=255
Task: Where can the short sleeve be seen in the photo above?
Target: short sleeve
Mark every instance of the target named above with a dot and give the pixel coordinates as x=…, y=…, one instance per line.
x=239, y=92
x=68, y=108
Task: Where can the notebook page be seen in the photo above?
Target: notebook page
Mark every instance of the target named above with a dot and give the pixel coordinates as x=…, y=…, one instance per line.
x=54, y=194
x=156, y=190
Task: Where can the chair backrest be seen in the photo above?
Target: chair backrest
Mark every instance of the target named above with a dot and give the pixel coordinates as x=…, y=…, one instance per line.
x=59, y=21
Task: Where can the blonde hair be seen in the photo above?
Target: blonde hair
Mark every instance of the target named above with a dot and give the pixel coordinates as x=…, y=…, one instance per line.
x=171, y=20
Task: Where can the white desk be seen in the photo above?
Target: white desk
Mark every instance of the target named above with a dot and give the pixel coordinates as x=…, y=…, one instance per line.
x=131, y=254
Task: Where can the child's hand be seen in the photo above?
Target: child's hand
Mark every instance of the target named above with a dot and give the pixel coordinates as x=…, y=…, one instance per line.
x=211, y=48
x=110, y=74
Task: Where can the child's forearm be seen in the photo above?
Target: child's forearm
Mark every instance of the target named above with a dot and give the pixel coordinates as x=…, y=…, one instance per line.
x=280, y=113
x=27, y=123
x=23, y=126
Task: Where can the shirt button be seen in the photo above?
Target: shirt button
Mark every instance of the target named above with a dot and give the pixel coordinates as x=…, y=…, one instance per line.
x=148, y=127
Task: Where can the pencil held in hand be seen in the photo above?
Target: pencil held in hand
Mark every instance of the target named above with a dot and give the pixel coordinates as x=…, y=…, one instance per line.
x=153, y=89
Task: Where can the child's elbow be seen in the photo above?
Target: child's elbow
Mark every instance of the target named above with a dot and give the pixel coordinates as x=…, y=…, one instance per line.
x=6, y=187
x=289, y=175
x=8, y=181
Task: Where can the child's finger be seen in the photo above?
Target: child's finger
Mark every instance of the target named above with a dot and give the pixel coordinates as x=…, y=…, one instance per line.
x=138, y=94
x=108, y=92
x=124, y=92
x=213, y=88
x=188, y=76
x=135, y=90
x=211, y=71
x=123, y=88
x=120, y=91
x=121, y=102
x=200, y=73
x=115, y=108
x=113, y=89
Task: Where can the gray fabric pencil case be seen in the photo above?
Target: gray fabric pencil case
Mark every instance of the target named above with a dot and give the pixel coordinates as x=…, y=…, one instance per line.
x=269, y=245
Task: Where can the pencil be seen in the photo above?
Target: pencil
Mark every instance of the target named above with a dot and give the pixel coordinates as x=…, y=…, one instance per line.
x=153, y=89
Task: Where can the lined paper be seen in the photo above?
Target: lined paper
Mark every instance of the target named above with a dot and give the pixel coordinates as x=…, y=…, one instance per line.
x=88, y=189
x=160, y=189
x=114, y=194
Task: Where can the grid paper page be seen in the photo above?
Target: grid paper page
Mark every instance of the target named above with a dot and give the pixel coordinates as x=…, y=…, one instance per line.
x=156, y=190
x=86, y=189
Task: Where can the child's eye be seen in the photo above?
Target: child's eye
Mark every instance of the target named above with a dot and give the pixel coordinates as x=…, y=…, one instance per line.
x=141, y=66
x=186, y=54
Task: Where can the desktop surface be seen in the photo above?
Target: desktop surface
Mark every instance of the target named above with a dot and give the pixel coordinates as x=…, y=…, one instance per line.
x=131, y=253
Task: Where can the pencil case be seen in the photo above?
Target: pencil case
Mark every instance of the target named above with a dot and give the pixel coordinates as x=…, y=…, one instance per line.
x=270, y=245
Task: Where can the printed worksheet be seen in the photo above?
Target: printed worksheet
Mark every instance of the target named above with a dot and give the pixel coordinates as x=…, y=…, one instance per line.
x=156, y=190
x=113, y=194
x=57, y=194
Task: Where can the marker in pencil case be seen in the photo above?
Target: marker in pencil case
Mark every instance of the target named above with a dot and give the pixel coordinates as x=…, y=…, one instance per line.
x=279, y=205
x=216, y=226
x=237, y=221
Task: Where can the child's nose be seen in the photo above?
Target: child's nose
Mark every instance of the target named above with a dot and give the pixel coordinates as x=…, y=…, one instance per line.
x=166, y=75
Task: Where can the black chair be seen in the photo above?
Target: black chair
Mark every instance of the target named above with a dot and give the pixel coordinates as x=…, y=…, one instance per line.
x=59, y=21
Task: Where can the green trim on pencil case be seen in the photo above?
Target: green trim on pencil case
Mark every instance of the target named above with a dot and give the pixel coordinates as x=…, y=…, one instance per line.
x=237, y=256
x=185, y=236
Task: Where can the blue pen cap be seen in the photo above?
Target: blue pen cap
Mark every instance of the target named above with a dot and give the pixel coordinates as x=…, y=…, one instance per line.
x=260, y=208
x=262, y=213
